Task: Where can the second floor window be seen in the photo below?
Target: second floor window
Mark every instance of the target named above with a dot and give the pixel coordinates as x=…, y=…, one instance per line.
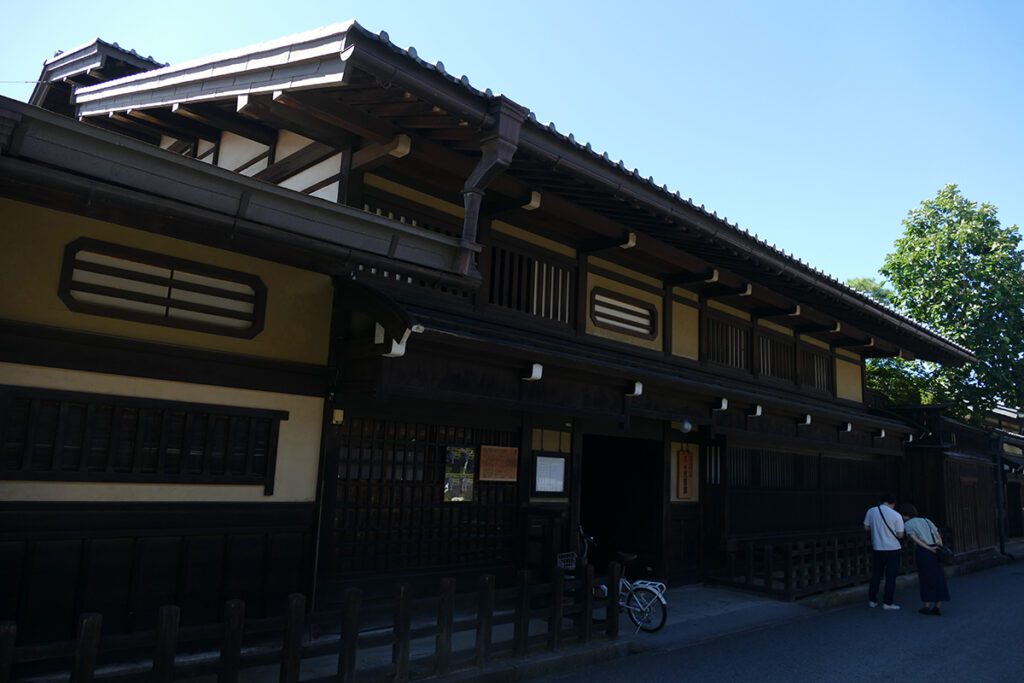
x=528, y=284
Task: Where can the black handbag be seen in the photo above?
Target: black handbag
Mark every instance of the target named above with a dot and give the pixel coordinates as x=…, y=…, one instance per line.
x=942, y=552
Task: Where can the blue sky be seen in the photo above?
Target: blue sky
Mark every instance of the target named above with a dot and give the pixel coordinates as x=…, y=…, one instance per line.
x=816, y=125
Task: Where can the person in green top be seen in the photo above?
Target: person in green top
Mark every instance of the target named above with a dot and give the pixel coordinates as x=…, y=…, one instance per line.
x=930, y=574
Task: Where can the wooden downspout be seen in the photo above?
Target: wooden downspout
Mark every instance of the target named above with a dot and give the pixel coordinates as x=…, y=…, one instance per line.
x=497, y=149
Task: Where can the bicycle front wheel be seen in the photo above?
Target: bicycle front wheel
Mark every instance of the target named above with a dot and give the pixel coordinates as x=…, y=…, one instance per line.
x=645, y=610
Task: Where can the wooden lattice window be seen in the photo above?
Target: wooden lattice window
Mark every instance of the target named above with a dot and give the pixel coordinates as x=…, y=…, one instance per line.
x=70, y=436
x=817, y=370
x=529, y=284
x=776, y=357
x=390, y=512
x=120, y=282
x=728, y=342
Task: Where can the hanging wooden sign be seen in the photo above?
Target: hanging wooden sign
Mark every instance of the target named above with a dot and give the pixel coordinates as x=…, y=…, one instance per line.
x=686, y=475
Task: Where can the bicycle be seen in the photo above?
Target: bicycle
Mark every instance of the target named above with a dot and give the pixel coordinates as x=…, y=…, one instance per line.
x=644, y=601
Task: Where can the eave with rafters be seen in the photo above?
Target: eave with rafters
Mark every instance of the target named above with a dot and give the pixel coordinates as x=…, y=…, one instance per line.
x=346, y=90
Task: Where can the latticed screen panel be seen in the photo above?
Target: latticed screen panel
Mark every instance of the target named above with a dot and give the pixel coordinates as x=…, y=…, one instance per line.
x=390, y=511
x=527, y=284
x=70, y=436
x=728, y=343
x=817, y=371
x=776, y=358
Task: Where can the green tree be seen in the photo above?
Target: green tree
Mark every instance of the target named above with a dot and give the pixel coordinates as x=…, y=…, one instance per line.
x=959, y=271
x=873, y=288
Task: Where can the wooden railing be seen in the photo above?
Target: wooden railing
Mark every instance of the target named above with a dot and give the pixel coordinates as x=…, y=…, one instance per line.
x=542, y=617
x=797, y=566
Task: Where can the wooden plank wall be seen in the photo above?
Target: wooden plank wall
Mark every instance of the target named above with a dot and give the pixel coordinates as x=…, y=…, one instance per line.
x=125, y=560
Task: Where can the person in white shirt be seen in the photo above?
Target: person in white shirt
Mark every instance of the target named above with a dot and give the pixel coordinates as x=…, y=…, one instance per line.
x=886, y=527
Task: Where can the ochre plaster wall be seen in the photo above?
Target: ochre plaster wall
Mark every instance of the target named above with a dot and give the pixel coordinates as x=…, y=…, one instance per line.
x=298, y=448
x=848, y=381
x=685, y=331
x=32, y=242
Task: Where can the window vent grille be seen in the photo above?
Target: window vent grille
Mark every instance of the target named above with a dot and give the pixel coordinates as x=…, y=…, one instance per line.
x=108, y=279
x=623, y=314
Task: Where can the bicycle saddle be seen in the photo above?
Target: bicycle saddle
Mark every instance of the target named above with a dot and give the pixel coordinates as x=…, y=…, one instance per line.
x=626, y=558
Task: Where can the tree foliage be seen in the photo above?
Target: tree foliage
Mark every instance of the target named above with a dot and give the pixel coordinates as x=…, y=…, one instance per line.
x=959, y=271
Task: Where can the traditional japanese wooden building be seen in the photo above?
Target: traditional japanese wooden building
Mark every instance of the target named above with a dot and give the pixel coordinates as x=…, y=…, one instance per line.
x=317, y=313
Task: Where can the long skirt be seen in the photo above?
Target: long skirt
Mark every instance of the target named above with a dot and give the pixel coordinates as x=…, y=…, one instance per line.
x=931, y=576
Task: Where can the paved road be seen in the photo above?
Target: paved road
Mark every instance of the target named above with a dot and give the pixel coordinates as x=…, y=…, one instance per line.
x=980, y=638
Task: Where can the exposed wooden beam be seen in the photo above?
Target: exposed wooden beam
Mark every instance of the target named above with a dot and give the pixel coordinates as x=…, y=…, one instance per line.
x=793, y=311
x=147, y=128
x=868, y=343
x=262, y=109
x=687, y=278
x=107, y=123
x=176, y=127
x=720, y=291
x=378, y=154
x=337, y=113
x=216, y=118
x=626, y=241
x=295, y=163
x=833, y=328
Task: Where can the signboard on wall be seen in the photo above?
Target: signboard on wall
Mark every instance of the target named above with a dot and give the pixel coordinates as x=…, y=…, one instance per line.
x=686, y=473
x=498, y=463
x=459, y=470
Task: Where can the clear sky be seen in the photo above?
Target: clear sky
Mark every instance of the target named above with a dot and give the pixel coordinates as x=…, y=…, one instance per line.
x=816, y=125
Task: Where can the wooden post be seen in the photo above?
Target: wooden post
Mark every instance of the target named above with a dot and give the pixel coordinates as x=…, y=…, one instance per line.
x=8, y=635
x=352, y=605
x=166, y=643
x=587, y=604
x=769, y=566
x=484, y=619
x=84, y=667
x=231, y=648
x=403, y=617
x=789, y=571
x=750, y=562
x=291, y=648
x=557, y=609
x=445, y=626
x=612, y=610
x=521, y=634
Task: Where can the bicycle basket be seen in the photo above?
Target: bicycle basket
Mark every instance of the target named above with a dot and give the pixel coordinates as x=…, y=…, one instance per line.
x=567, y=560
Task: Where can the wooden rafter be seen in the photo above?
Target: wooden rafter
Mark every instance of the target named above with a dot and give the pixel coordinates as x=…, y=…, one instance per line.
x=262, y=109
x=720, y=291
x=295, y=163
x=216, y=118
x=376, y=155
x=176, y=127
x=685, y=279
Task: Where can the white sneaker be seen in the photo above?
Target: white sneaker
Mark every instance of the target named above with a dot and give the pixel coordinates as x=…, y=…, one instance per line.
x=872, y=604
x=890, y=606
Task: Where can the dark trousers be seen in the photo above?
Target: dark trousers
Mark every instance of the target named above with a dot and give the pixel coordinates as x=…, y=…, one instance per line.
x=884, y=562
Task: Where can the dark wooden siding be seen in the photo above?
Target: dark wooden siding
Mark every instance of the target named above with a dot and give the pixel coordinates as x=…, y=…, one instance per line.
x=970, y=504
x=125, y=560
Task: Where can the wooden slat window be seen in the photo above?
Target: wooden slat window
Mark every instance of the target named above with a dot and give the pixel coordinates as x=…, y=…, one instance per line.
x=623, y=314
x=728, y=342
x=119, y=282
x=68, y=436
x=529, y=284
x=817, y=370
x=776, y=357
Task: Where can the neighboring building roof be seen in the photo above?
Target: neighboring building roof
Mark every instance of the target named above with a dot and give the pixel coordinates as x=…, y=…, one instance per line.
x=321, y=57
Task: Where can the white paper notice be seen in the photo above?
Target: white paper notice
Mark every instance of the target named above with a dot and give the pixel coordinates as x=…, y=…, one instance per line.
x=550, y=475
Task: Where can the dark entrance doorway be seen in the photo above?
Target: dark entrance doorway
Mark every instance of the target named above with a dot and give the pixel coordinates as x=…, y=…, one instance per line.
x=621, y=502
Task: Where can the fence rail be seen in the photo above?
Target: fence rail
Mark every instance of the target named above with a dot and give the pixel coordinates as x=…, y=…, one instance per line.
x=795, y=567
x=542, y=616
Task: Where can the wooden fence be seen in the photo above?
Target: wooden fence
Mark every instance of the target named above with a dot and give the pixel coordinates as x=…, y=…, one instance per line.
x=798, y=566
x=543, y=617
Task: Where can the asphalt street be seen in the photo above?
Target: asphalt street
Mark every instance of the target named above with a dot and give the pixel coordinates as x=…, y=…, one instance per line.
x=979, y=638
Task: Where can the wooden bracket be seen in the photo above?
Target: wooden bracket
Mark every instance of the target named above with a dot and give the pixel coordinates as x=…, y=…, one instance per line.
x=627, y=241
x=721, y=291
